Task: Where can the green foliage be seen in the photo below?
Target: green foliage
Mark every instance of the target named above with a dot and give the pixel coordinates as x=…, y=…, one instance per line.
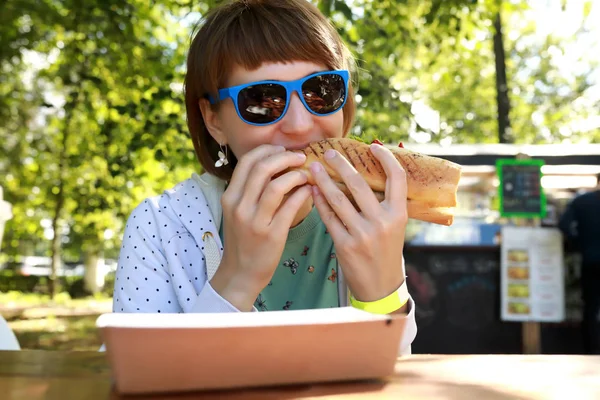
x=438, y=56
x=92, y=118
x=61, y=324
x=17, y=283
x=102, y=125
x=72, y=286
x=63, y=333
x=552, y=99
x=109, y=284
x=410, y=53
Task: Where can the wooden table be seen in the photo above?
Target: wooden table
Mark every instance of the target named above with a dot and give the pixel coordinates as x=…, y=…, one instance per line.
x=33, y=375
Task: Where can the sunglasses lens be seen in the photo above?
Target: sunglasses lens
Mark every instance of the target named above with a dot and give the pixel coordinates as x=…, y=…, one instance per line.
x=325, y=93
x=261, y=104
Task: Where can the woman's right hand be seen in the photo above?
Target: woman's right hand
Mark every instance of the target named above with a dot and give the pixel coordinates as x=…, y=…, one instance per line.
x=259, y=206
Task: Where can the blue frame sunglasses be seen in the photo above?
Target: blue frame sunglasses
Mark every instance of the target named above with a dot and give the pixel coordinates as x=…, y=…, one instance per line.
x=266, y=102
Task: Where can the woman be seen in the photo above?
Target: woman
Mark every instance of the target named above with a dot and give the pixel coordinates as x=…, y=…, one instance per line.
x=265, y=77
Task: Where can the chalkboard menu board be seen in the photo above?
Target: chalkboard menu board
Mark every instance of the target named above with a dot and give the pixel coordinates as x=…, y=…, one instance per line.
x=456, y=290
x=521, y=192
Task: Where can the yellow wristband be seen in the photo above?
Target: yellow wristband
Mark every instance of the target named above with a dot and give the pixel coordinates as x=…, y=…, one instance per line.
x=387, y=305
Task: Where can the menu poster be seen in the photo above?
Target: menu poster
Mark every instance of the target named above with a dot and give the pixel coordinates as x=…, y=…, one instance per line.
x=532, y=280
x=521, y=193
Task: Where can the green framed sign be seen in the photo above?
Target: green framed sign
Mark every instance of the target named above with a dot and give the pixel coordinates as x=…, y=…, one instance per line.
x=520, y=190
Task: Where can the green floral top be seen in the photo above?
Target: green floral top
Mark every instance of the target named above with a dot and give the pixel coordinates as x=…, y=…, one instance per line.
x=306, y=277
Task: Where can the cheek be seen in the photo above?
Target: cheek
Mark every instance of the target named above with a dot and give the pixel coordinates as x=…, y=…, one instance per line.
x=243, y=137
x=333, y=125
x=228, y=115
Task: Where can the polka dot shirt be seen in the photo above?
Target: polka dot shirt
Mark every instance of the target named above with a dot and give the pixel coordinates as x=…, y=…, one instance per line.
x=162, y=265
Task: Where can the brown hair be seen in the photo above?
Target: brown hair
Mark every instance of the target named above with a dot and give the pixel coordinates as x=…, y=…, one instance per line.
x=248, y=33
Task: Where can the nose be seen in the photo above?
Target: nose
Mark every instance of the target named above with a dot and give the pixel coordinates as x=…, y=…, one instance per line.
x=297, y=120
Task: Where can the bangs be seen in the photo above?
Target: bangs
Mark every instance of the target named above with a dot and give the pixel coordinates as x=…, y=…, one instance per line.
x=275, y=33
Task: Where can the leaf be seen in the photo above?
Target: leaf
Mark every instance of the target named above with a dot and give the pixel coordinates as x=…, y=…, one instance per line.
x=587, y=8
x=342, y=7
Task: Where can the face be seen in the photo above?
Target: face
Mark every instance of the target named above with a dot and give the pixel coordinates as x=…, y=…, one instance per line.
x=295, y=130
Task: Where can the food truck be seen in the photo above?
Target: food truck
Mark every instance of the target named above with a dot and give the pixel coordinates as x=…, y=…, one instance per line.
x=478, y=290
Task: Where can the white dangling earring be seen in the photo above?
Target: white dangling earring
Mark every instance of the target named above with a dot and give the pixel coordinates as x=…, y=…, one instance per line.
x=222, y=157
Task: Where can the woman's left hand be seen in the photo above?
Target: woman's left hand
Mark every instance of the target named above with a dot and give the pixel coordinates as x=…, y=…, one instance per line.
x=369, y=244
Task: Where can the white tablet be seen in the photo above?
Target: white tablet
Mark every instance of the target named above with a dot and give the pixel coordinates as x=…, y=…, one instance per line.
x=151, y=353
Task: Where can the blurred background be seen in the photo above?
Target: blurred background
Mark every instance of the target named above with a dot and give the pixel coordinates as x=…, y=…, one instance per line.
x=92, y=121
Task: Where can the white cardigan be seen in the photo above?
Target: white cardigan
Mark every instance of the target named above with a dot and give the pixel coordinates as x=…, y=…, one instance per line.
x=172, y=246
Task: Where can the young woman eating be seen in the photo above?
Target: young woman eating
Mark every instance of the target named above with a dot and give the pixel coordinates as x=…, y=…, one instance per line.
x=264, y=78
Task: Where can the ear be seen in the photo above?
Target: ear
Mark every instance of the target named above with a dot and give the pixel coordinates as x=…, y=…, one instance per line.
x=211, y=120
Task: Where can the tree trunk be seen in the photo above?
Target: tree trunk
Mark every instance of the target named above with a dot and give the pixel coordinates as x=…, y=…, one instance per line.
x=60, y=202
x=94, y=275
x=502, y=100
x=53, y=284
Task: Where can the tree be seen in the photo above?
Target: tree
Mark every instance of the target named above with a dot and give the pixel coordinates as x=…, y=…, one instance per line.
x=552, y=81
x=426, y=73
x=92, y=116
x=406, y=52
x=115, y=124
x=502, y=100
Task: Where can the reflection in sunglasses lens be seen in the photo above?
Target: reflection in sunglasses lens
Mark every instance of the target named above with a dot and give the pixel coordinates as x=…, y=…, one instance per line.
x=324, y=94
x=261, y=104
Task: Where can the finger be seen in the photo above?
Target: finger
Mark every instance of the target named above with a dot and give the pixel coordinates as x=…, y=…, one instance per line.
x=395, y=185
x=336, y=199
x=245, y=165
x=359, y=188
x=334, y=225
x=275, y=192
x=262, y=174
x=284, y=217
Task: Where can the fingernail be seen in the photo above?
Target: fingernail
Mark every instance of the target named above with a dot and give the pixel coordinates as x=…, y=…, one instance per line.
x=301, y=156
x=316, y=167
x=329, y=154
x=375, y=147
x=316, y=191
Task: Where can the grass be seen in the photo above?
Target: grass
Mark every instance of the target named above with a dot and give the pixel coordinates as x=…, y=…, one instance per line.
x=19, y=299
x=43, y=324
x=58, y=333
